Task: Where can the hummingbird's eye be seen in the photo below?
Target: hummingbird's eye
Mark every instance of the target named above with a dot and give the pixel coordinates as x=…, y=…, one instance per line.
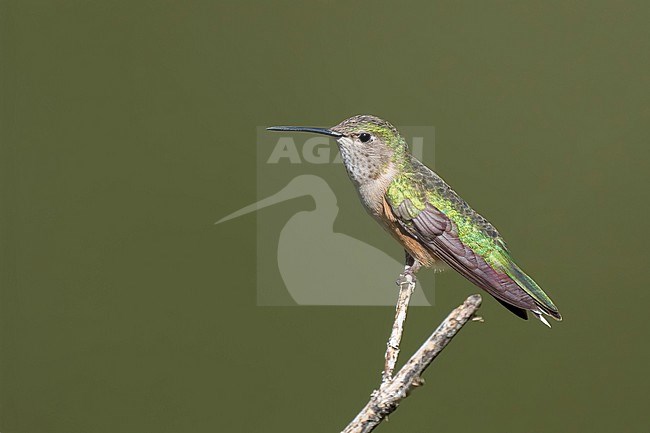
x=364, y=137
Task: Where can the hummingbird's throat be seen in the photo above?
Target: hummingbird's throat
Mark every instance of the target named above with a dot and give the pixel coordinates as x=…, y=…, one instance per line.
x=362, y=164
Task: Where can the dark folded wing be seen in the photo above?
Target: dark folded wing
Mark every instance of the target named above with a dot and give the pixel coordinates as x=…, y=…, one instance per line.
x=440, y=235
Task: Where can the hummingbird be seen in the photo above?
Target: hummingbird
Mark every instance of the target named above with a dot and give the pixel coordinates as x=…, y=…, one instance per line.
x=432, y=223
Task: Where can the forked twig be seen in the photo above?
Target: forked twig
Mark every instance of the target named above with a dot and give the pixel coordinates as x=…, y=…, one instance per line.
x=392, y=391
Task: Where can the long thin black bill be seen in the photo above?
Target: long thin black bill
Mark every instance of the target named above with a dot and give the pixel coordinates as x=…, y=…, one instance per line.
x=323, y=131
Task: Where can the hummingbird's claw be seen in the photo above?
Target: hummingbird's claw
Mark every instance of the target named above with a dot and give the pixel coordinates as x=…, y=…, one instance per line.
x=406, y=278
x=411, y=266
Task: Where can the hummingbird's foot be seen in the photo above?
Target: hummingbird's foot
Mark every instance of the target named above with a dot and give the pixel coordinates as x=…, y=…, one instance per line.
x=408, y=276
x=412, y=269
x=411, y=265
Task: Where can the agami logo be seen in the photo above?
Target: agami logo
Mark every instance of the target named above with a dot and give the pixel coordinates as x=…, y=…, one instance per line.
x=301, y=258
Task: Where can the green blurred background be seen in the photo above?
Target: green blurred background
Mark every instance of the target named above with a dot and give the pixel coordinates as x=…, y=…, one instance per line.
x=129, y=127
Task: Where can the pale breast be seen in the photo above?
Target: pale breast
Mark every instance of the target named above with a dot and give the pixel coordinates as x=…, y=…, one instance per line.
x=373, y=198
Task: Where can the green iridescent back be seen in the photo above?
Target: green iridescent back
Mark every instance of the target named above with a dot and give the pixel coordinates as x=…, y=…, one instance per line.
x=420, y=185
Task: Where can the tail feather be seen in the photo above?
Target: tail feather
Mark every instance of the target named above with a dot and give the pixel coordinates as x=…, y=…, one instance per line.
x=546, y=306
x=542, y=318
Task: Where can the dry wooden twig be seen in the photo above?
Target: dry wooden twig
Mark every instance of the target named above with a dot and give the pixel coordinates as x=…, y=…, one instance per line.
x=406, y=287
x=392, y=391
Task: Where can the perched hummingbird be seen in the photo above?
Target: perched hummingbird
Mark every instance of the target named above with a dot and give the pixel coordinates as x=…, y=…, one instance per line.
x=431, y=222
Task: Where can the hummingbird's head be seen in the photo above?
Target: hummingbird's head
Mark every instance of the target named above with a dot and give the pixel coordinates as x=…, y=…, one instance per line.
x=369, y=145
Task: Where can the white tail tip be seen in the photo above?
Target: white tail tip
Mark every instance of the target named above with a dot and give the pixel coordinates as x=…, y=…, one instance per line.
x=541, y=318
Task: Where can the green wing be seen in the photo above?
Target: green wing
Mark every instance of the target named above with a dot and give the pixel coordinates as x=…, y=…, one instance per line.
x=430, y=211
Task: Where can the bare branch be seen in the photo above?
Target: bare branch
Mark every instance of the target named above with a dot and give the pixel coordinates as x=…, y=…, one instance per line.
x=392, y=392
x=406, y=287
